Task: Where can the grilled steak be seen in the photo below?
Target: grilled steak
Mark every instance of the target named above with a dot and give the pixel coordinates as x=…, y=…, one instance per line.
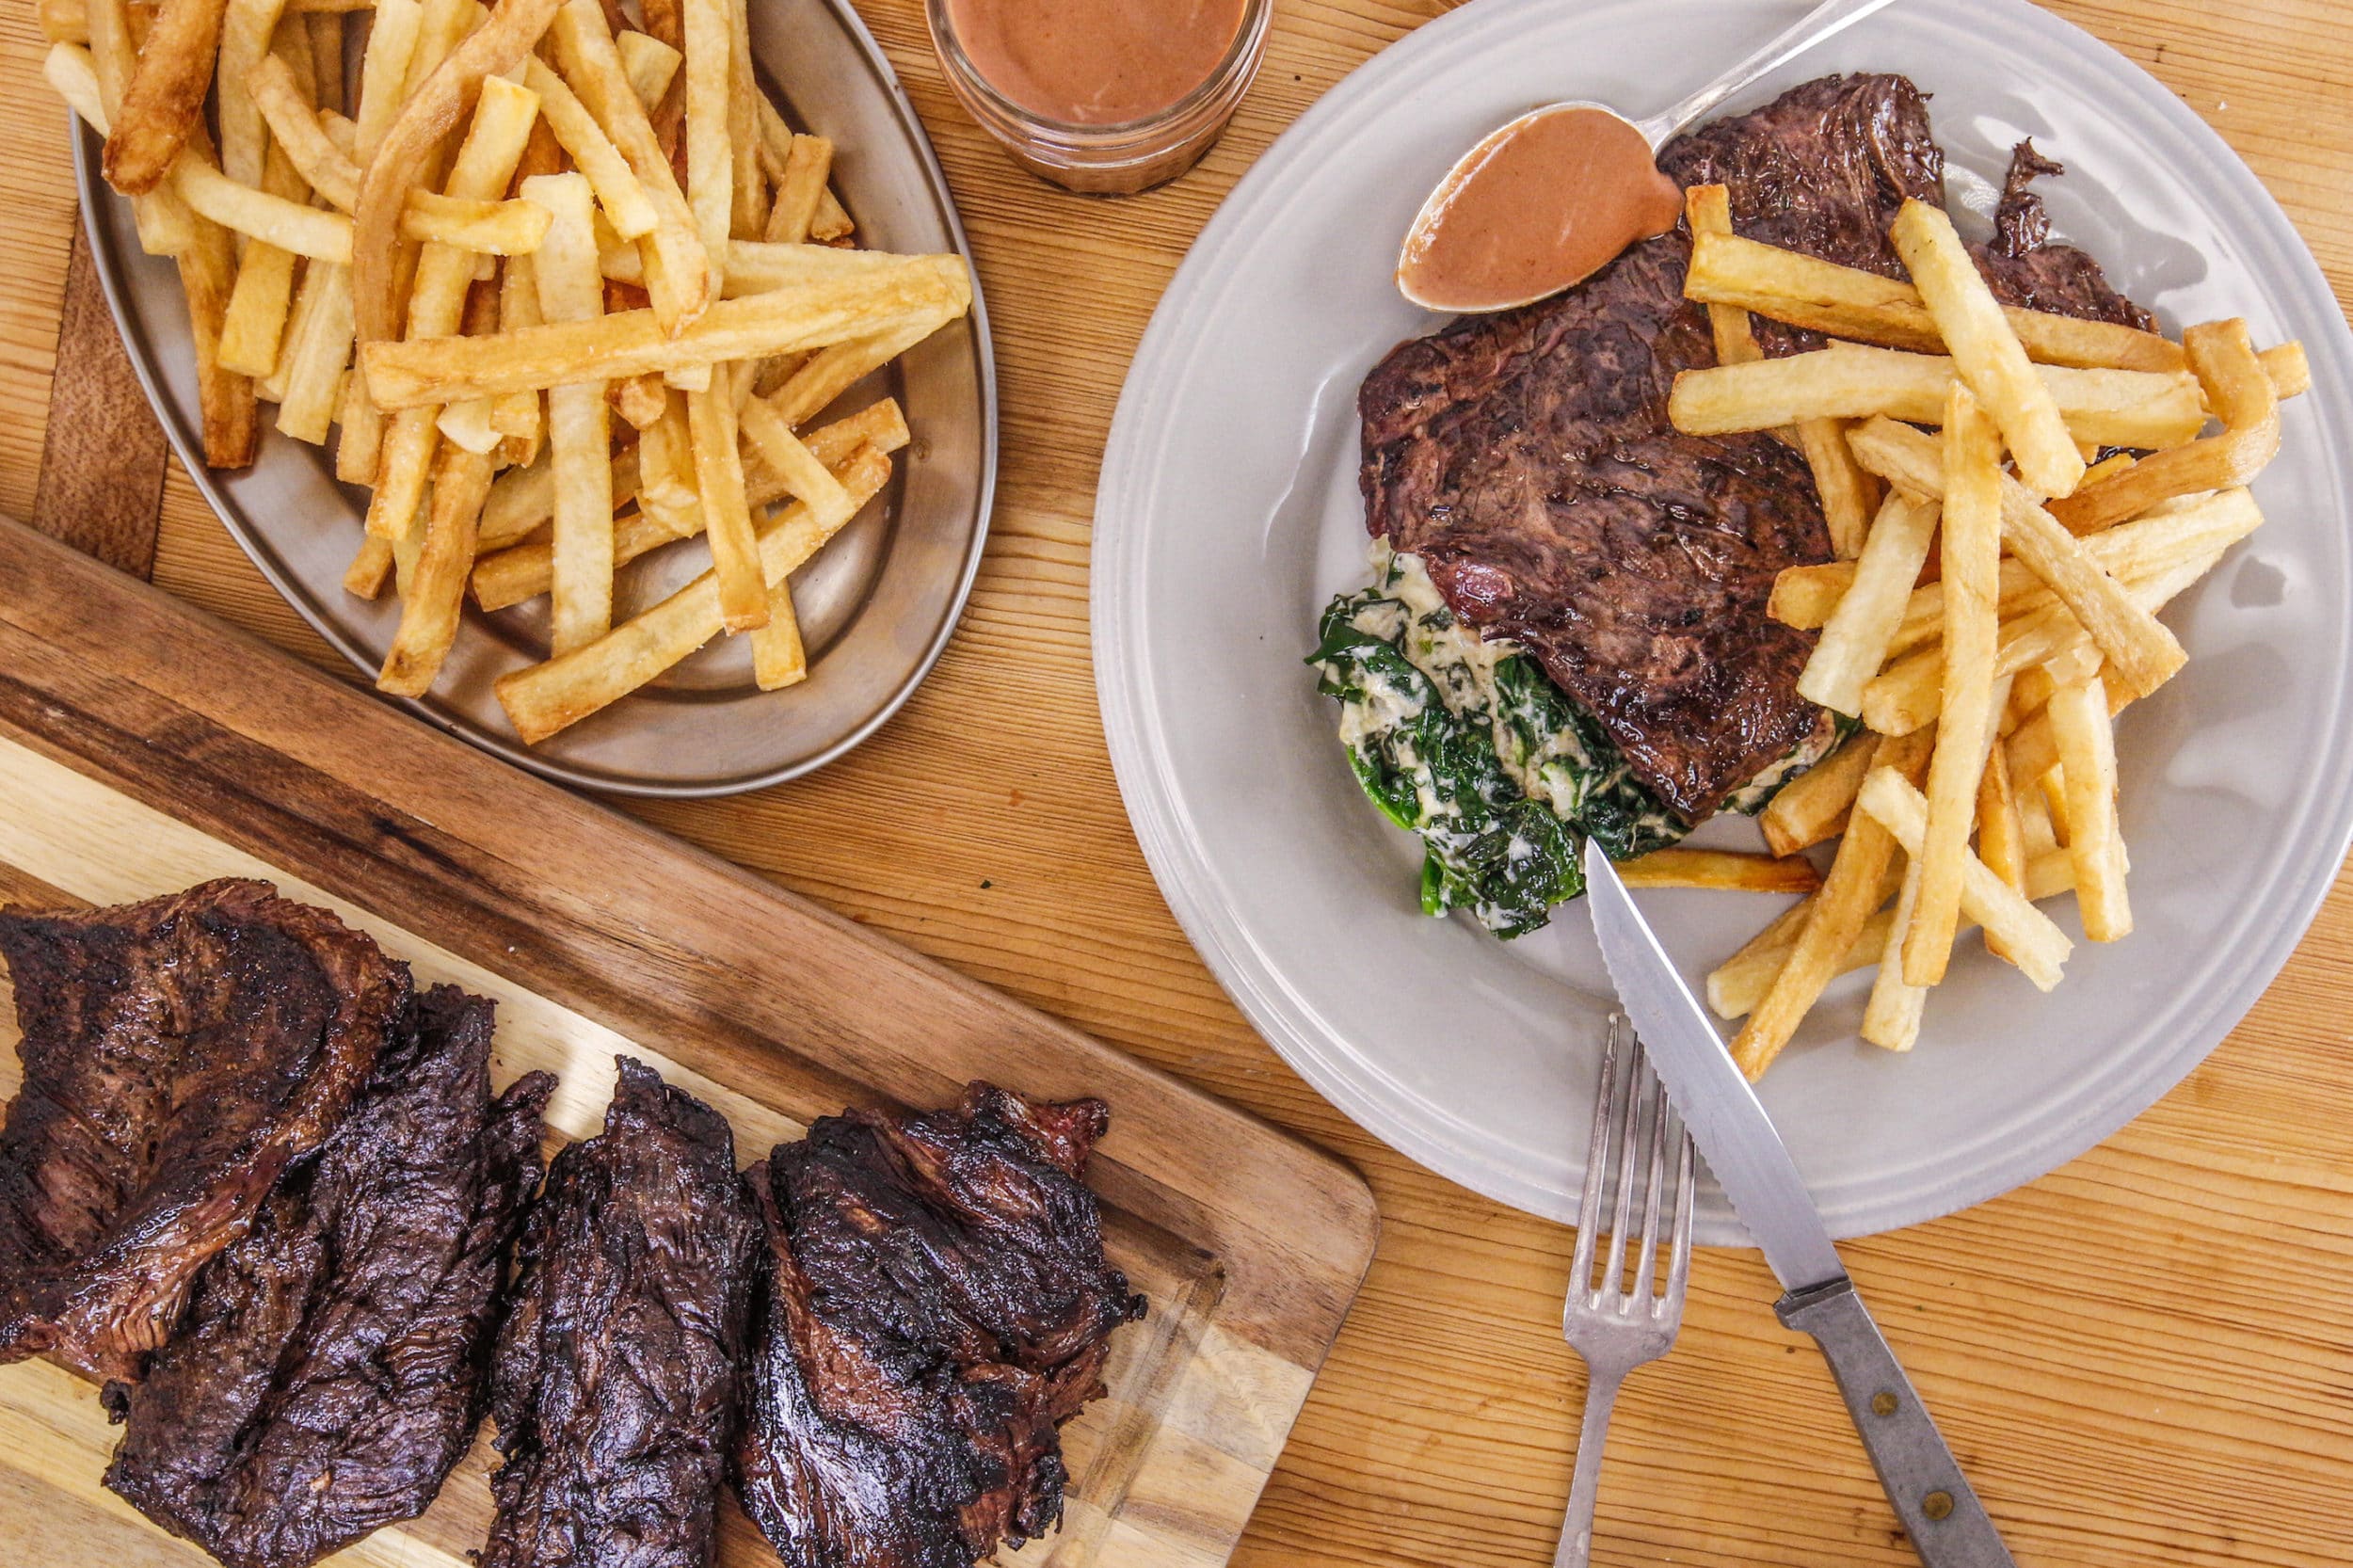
x=933, y=1302
x=179, y=1055
x=1527, y=456
x=614, y=1383
x=328, y=1373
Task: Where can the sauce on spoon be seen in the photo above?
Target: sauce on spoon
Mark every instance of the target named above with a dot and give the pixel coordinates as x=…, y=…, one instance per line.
x=1543, y=203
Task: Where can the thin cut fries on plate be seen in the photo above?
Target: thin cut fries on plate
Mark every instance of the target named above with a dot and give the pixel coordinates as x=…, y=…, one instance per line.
x=1994, y=619
x=554, y=324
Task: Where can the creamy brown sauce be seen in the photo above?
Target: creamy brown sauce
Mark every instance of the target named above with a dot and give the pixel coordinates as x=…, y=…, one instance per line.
x=1538, y=206
x=1096, y=63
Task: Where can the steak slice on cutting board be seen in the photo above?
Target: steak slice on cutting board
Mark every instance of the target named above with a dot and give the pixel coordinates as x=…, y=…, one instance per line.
x=613, y=1383
x=932, y=1303
x=330, y=1370
x=179, y=1056
x=1527, y=459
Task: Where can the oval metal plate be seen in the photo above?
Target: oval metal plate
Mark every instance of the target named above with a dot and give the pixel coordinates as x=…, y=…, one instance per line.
x=876, y=607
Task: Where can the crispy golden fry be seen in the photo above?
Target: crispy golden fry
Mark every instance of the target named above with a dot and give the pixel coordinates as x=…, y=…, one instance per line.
x=1847, y=302
x=1846, y=899
x=2038, y=948
x=804, y=474
x=74, y=76
x=232, y=420
x=623, y=199
x=258, y=306
x=924, y=293
x=1986, y=351
x=780, y=658
x=678, y=270
x=293, y=125
x=518, y=417
x=749, y=187
x=1722, y=868
x=289, y=225
x=1972, y=552
x=709, y=150
x=163, y=104
x=393, y=35
x=578, y=441
x=665, y=487
x=2142, y=649
x=486, y=162
x=2001, y=830
x=166, y=225
x=648, y=63
x=1849, y=495
x=1855, y=640
x=547, y=698
x=2116, y=408
x=719, y=480
x=830, y=372
x=1891, y=1019
x=800, y=189
x=523, y=572
x=2081, y=725
x=1813, y=807
x=640, y=400
x=247, y=27
x=1708, y=211
x=2290, y=372
x=317, y=347
x=2243, y=397
x=434, y=588
x=430, y=113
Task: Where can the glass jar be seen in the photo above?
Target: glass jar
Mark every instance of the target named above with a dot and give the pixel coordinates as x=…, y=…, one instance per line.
x=1108, y=160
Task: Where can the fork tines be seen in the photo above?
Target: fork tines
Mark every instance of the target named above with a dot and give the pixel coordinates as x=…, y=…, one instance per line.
x=1632, y=1125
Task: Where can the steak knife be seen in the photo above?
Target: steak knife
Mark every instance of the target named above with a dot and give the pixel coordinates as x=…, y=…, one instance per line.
x=1948, y=1527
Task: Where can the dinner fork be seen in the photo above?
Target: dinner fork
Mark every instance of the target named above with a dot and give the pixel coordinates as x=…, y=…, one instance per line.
x=1618, y=1322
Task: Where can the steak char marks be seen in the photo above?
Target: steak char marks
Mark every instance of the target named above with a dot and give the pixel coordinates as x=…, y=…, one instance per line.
x=179, y=1055
x=614, y=1383
x=933, y=1302
x=1527, y=459
x=330, y=1370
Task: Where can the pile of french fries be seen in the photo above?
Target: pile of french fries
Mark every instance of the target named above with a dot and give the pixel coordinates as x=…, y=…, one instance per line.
x=560, y=274
x=1994, y=604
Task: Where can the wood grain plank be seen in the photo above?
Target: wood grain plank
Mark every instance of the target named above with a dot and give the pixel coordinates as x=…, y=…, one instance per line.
x=102, y=467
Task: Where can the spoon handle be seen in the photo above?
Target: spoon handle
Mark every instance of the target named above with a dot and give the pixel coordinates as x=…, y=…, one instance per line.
x=1831, y=17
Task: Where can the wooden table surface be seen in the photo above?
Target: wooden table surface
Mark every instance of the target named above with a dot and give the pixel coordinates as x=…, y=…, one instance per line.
x=2146, y=1356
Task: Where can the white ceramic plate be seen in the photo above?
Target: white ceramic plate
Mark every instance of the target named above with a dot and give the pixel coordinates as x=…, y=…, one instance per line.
x=876, y=606
x=1228, y=515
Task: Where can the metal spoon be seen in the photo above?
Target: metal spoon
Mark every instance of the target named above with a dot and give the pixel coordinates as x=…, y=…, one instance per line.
x=1832, y=16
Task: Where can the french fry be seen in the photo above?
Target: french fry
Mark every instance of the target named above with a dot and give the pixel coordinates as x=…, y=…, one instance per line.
x=1849, y=495
x=166, y=227
x=648, y=63
x=710, y=147
x=780, y=658
x=1971, y=551
x=571, y=288
x=247, y=27
x=430, y=113
x=293, y=125
x=1813, y=807
x=1891, y=1019
x=679, y=275
x=547, y=698
x=2036, y=946
x=1847, y=302
x=2243, y=395
x=1845, y=900
x=620, y=193
x=1720, y=869
x=1854, y=639
x=434, y=588
x=317, y=348
x=1708, y=211
x=719, y=480
x=324, y=32
x=832, y=371
x=256, y=214
x=832, y=223
x=486, y=162
x=746, y=185
x=258, y=306
x=518, y=416
x=232, y=420
x=523, y=572
x=800, y=189
x=640, y=399
x=666, y=486
x=804, y=474
x=2142, y=649
x=2290, y=372
x=163, y=104
x=1987, y=353
x=2001, y=830
x=921, y=294
x=1843, y=381
x=2081, y=725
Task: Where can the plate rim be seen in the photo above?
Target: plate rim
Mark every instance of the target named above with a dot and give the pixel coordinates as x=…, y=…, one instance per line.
x=1125, y=688
x=90, y=190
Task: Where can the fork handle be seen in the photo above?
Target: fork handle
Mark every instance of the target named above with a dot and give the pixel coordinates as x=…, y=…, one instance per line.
x=1576, y=1530
x=1948, y=1527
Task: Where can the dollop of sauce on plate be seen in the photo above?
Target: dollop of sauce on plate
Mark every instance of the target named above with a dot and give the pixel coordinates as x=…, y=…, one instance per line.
x=1543, y=203
x=1096, y=63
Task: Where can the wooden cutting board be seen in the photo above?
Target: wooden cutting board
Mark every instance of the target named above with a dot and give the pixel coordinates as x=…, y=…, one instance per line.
x=144, y=748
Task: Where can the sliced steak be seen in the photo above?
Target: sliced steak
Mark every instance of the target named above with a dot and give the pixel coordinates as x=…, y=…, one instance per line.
x=614, y=1384
x=2024, y=267
x=330, y=1370
x=1527, y=458
x=179, y=1056
x=933, y=1302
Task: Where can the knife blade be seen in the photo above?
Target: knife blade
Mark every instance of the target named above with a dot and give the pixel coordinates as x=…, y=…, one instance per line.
x=1948, y=1527
x=1726, y=1120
